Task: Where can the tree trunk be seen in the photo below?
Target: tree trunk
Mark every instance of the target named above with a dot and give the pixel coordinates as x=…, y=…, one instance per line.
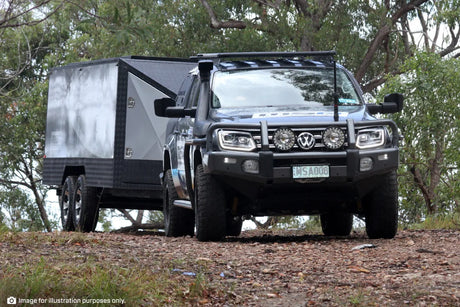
x=271, y=221
x=38, y=197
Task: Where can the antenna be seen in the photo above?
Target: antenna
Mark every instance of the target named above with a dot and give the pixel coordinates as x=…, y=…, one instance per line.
x=336, y=94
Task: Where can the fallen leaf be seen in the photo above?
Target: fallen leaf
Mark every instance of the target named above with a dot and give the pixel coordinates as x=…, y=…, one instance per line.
x=358, y=269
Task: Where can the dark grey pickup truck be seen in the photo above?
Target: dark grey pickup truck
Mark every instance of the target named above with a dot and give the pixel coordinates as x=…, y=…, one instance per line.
x=274, y=133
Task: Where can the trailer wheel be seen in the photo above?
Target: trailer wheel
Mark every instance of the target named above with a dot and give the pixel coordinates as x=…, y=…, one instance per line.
x=210, y=216
x=85, y=207
x=381, y=209
x=178, y=221
x=336, y=223
x=65, y=201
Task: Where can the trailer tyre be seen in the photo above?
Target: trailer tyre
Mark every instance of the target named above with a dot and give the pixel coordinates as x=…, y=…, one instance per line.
x=381, y=209
x=65, y=201
x=85, y=206
x=210, y=215
x=178, y=221
x=336, y=223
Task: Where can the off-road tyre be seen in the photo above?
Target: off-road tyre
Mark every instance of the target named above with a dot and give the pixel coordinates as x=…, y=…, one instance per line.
x=65, y=203
x=210, y=215
x=381, y=209
x=234, y=226
x=336, y=223
x=85, y=208
x=178, y=221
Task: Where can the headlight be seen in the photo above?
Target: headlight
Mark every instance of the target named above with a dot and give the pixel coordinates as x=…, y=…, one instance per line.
x=370, y=138
x=236, y=140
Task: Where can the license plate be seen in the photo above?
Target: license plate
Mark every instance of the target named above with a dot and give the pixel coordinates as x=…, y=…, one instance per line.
x=310, y=171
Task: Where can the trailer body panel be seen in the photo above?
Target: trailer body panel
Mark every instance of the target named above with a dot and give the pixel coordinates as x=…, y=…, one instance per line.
x=101, y=122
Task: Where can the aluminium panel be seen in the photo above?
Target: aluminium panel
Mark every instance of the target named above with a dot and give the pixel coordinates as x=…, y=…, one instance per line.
x=145, y=132
x=81, y=111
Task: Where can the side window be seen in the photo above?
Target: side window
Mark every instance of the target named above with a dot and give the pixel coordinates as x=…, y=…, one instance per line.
x=183, y=91
x=194, y=93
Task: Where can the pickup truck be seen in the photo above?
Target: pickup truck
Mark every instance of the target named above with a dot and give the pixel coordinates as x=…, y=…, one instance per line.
x=277, y=133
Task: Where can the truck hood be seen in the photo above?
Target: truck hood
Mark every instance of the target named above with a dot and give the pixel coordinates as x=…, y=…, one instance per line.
x=289, y=114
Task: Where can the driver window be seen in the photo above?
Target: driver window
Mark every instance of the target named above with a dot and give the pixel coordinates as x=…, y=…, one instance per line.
x=194, y=94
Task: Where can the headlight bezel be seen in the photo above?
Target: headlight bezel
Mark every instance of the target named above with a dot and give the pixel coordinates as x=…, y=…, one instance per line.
x=371, y=138
x=236, y=143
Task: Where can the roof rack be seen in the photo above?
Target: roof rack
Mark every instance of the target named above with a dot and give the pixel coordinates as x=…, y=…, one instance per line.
x=222, y=55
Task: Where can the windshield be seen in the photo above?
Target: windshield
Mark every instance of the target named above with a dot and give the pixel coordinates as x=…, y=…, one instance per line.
x=307, y=87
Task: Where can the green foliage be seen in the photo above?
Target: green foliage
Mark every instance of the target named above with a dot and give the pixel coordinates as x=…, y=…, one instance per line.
x=430, y=121
x=448, y=221
x=21, y=213
x=136, y=284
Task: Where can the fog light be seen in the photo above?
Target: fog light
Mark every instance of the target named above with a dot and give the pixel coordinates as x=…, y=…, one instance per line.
x=366, y=164
x=250, y=166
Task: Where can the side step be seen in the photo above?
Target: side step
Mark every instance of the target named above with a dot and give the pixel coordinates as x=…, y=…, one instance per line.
x=187, y=204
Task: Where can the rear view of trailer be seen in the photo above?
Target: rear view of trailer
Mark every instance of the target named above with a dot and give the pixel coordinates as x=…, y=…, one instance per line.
x=104, y=144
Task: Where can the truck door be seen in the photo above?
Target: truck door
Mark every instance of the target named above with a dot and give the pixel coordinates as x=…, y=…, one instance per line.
x=185, y=131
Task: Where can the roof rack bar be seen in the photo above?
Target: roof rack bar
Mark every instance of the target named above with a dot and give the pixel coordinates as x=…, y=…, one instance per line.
x=264, y=54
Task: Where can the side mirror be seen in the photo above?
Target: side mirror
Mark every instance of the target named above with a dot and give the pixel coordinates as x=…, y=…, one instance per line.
x=392, y=103
x=166, y=107
x=162, y=104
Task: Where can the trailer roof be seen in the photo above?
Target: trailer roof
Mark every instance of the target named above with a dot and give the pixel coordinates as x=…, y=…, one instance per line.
x=163, y=73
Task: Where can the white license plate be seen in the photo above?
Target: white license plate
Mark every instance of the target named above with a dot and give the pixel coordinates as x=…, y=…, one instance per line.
x=310, y=171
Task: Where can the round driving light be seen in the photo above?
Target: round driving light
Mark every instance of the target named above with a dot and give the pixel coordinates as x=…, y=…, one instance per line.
x=333, y=138
x=284, y=139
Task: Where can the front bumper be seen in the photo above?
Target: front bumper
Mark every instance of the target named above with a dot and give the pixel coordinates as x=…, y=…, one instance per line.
x=276, y=167
x=344, y=166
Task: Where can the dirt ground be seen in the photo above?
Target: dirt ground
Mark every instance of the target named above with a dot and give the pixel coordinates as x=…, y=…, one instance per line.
x=294, y=268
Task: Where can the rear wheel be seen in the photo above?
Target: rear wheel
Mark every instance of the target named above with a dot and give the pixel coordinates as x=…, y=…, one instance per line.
x=381, y=209
x=65, y=201
x=85, y=208
x=210, y=216
x=178, y=221
x=336, y=223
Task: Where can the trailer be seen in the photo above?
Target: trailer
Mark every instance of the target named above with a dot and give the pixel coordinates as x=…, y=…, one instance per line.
x=104, y=143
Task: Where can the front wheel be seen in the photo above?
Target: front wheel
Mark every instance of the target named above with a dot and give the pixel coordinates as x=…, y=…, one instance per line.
x=336, y=223
x=178, y=221
x=210, y=216
x=381, y=209
x=85, y=207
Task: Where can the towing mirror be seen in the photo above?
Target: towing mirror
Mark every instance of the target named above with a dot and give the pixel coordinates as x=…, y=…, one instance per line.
x=166, y=107
x=392, y=103
x=162, y=104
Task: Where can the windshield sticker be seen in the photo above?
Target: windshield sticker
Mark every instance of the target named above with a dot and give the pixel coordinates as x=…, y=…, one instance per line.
x=303, y=113
x=348, y=101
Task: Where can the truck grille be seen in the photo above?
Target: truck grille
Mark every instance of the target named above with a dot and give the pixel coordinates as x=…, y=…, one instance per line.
x=315, y=132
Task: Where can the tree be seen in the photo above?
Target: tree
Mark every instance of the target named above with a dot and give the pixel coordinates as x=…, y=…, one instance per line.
x=430, y=123
x=23, y=97
x=372, y=38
